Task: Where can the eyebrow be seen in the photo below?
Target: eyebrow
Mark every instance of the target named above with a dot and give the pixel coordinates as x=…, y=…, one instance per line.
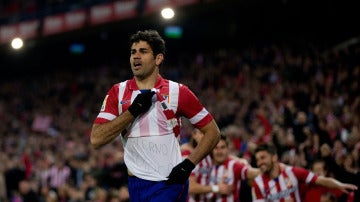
x=140, y=49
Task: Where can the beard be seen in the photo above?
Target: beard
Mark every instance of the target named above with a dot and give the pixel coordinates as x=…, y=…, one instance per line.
x=269, y=168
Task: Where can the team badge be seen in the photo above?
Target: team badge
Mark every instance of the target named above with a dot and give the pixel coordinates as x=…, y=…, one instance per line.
x=104, y=103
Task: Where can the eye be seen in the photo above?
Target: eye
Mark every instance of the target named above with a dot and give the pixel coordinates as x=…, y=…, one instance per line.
x=144, y=51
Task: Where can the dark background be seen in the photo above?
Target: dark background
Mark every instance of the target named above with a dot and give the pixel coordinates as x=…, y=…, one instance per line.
x=207, y=26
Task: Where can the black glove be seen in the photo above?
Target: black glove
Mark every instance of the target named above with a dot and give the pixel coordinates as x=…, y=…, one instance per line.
x=141, y=103
x=180, y=173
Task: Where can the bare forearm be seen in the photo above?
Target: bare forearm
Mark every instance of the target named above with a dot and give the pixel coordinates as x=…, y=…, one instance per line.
x=207, y=143
x=102, y=134
x=328, y=182
x=195, y=188
x=335, y=184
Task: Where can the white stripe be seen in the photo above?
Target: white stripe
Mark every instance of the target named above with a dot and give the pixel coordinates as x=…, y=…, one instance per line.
x=295, y=182
x=154, y=126
x=282, y=182
x=230, y=172
x=122, y=87
x=272, y=187
x=309, y=177
x=106, y=116
x=173, y=96
x=259, y=181
x=199, y=116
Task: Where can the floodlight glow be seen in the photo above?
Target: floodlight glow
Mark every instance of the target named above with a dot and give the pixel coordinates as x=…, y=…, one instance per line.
x=17, y=43
x=167, y=13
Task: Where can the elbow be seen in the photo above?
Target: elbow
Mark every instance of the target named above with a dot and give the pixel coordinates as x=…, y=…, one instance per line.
x=94, y=143
x=95, y=139
x=217, y=136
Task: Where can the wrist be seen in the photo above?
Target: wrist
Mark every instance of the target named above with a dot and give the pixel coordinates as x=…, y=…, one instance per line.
x=188, y=164
x=215, y=188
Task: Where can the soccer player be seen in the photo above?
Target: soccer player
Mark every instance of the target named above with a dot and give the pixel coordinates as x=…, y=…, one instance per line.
x=145, y=112
x=280, y=182
x=218, y=177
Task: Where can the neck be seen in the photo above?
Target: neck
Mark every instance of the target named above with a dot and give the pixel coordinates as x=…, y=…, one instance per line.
x=146, y=83
x=216, y=163
x=275, y=172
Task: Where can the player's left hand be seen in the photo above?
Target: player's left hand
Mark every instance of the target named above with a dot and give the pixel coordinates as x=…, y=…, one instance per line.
x=345, y=187
x=180, y=173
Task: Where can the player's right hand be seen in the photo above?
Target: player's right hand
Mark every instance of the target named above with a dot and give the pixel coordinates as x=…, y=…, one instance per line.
x=141, y=103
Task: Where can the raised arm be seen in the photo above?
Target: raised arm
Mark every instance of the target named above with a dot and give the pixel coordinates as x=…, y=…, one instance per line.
x=252, y=173
x=335, y=184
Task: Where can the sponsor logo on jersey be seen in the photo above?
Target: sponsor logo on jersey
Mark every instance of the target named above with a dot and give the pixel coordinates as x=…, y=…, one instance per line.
x=124, y=101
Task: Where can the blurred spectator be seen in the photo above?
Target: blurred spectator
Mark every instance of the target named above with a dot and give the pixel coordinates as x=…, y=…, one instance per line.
x=27, y=193
x=14, y=174
x=114, y=174
x=89, y=186
x=3, y=192
x=58, y=175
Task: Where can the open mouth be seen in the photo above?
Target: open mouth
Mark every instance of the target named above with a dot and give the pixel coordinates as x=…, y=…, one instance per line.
x=137, y=65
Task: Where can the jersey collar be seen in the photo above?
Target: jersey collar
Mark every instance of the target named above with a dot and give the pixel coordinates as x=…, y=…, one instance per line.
x=159, y=83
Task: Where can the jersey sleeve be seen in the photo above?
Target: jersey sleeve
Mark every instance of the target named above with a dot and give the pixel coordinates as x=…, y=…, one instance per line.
x=190, y=107
x=304, y=175
x=109, y=108
x=240, y=171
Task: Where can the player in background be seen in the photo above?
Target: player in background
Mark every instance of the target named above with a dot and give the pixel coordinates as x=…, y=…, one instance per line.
x=280, y=182
x=218, y=177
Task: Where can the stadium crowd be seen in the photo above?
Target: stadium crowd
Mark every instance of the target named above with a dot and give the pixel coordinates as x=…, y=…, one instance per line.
x=304, y=102
x=18, y=10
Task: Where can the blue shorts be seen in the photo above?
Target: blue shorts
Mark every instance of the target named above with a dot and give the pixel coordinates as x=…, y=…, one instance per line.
x=151, y=191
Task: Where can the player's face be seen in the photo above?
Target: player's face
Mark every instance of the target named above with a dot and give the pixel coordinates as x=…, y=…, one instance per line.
x=220, y=152
x=142, y=60
x=265, y=161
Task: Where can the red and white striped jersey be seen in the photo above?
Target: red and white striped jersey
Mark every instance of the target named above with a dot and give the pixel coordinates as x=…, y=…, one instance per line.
x=230, y=172
x=284, y=187
x=151, y=146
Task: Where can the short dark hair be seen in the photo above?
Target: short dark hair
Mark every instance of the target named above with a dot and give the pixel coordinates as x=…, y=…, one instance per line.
x=266, y=147
x=225, y=138
x=152, y=37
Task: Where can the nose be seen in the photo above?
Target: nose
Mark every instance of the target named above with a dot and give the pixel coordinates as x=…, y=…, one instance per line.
x=136, y=55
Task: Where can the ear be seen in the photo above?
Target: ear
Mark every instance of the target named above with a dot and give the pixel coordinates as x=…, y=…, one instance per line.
x=159, y=59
